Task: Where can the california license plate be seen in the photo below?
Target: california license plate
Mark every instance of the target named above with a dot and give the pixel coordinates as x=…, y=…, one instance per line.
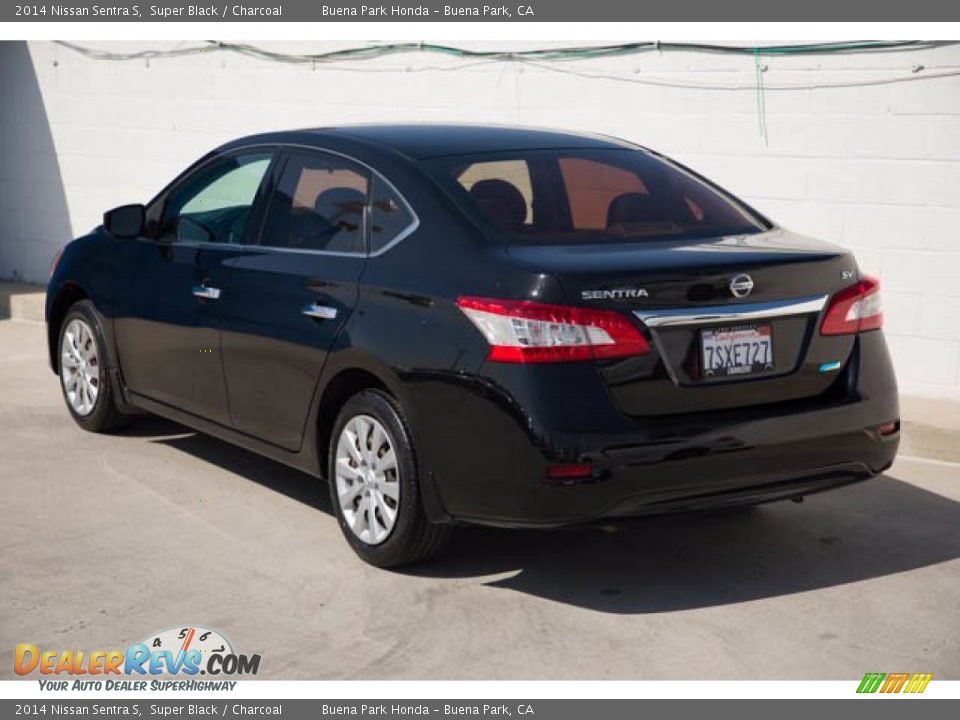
x=737, y=350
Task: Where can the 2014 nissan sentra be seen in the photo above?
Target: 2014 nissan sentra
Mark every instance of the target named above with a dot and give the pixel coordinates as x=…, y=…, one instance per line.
x=489, y=325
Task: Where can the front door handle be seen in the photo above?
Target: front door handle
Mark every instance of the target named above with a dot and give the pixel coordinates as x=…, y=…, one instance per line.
x=322, y=312
x=206, y=292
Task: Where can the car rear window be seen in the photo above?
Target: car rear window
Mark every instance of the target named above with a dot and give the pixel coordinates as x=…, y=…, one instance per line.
x=571, y=196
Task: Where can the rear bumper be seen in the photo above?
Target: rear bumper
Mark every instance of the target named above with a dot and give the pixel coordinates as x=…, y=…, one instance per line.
x=748, y=491
x=488, y=457
x=630, y=483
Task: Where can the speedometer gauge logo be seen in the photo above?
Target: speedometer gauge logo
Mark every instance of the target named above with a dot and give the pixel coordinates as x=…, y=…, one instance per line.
x=183, y=639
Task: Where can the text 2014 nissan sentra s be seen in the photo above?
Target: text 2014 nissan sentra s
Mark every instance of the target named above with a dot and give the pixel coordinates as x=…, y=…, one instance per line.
x=486, y=325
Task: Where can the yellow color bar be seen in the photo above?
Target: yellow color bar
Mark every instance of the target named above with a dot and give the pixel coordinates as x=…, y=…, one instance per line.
x=918, y=682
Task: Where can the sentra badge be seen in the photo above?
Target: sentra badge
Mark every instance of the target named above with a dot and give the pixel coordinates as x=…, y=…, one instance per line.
x=615, y=294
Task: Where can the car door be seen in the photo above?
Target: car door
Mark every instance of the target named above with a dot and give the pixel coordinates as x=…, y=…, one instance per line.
x=168, y=340
x=285, y=299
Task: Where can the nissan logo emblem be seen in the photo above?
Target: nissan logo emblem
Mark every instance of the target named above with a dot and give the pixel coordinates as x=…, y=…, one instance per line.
x=741, y=285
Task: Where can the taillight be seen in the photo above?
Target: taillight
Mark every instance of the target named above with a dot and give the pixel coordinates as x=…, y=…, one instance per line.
x=570, y=474
x=520, y=331
x=574, y=471
x=854, y=309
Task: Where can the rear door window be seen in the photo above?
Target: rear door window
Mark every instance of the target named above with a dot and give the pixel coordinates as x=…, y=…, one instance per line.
x=391, y=219
x=319, y=204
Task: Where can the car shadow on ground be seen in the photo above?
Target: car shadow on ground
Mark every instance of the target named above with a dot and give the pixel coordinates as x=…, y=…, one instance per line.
x=680, y=562
x=295, y=484
x=659, y=564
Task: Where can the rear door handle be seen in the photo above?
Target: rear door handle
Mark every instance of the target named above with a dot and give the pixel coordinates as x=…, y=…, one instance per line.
x=322, y=312
x=206, y=292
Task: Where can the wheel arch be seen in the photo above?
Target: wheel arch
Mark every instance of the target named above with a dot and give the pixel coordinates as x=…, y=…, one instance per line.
x=347, y=377
x=63, y=299
x=341, y=386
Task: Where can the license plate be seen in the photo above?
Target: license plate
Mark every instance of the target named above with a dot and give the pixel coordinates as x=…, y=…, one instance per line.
x=740, y=350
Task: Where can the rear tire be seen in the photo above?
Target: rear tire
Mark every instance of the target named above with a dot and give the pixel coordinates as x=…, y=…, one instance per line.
x=375, y=486
x=84, y=379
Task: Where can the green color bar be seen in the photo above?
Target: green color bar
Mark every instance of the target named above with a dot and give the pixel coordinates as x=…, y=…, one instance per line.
x=871, y=682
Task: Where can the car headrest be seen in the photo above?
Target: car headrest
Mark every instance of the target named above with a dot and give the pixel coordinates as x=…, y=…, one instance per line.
x=633, y=207
x=341, y=206
x=502, y=202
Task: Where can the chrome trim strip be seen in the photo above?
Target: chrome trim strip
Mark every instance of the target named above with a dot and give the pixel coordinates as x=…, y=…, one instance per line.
x=245, y=247
x=714, y=314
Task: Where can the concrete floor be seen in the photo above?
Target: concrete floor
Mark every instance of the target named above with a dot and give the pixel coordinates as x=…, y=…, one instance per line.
x=106, y=539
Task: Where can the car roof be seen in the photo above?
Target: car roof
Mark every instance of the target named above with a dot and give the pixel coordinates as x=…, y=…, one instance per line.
x=421, y=141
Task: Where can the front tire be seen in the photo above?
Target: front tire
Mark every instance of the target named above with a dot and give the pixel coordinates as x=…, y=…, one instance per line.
x=84, y=380
x=374, y=484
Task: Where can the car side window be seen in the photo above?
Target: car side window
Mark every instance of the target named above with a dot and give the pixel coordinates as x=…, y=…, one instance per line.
x=390, y=217
x=319, y=204
x=213, y=205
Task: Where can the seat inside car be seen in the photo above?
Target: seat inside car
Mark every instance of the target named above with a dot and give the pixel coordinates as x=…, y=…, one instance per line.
x=502, y=202
x=334, y=211
x=341, y=208
x=634, y=207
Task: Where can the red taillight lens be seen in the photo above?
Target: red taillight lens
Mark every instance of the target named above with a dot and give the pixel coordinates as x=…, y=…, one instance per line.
x=528, y=332
x=574, y=471
x=854, y=309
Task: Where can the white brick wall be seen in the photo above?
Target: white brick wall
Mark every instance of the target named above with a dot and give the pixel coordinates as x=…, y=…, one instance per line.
x=874, y=168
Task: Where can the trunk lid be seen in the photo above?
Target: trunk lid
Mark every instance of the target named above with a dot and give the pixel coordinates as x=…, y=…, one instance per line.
x=726, y=298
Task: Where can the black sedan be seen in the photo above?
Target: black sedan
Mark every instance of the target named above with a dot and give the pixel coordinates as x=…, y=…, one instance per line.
x=489, y=325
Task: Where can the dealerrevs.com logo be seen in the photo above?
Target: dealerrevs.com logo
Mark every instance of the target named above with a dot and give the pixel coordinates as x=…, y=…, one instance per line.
x=178, y=651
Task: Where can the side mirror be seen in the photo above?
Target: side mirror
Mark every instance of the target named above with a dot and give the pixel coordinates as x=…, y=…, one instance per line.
x=125, y=221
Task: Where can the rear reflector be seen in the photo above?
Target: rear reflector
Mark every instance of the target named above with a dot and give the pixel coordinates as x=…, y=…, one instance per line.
x=889, y=428
x=520, y=331
x=572, y=471
x=854, y=309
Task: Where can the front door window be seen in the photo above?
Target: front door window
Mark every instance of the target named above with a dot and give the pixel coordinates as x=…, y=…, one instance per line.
x=214, y=205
